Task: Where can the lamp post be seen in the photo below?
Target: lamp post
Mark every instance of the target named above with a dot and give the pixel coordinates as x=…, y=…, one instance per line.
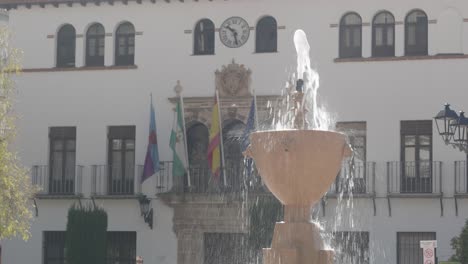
x=146, y=211
x=453, y=128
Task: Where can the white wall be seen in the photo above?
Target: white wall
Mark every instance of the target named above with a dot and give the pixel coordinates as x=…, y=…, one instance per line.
x=381, y=93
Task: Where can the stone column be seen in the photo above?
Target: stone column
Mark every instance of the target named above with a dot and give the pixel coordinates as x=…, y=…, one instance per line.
x=109, y=50
x=190, y=247
x=80, y=51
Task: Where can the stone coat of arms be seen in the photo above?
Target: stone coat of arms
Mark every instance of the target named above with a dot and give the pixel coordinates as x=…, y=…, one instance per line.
x=233, y=80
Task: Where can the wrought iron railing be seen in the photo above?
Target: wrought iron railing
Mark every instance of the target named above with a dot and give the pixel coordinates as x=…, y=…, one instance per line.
x=57, y=182
x=115, y=179
x=201, y=180
x=354, y=178
x=461, y=178
x=418, y=177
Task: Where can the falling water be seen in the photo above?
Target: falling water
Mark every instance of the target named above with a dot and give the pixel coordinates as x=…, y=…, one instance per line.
x=345, y=217
x=316, y=116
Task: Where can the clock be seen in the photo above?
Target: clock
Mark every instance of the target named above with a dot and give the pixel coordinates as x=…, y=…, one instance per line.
x=234, y=32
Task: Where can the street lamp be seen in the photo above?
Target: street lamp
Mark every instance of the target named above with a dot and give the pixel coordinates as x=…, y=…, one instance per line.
x=453, y=128
x=460, y=131
x=146, y=210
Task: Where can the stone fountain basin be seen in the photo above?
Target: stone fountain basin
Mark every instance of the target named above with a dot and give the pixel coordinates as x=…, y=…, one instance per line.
x=298, y=166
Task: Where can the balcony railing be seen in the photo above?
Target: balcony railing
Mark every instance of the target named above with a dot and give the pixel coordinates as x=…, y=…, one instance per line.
x=414, y=177
x=357, y=178
x=201, y=180
x=461, y=178
x=51, y=182
x=115, y=180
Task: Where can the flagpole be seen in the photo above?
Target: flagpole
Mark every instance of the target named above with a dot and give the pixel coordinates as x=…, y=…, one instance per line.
x=181, y=98
x=156, y=166
x=221, y=138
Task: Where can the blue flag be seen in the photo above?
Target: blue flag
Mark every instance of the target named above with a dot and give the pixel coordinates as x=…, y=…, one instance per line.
x=245, y=140
x=152, y=155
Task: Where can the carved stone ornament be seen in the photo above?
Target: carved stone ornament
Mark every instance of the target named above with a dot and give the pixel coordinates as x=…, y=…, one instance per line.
x=233, y=80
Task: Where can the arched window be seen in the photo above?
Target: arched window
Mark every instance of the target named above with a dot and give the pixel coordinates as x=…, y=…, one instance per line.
x=416, y=33
x=350, y=36
x=383, y=35
x=66, y=38
x=95, y=45
x=203, y=42
x=125, y=44
x=233, y=158
x=197, y=146
x=266, y=35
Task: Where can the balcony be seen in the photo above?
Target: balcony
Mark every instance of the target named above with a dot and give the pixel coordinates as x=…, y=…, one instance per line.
x=116, y=181
x=414, y=178
x=57, y=183
x=461, y=179
x=201, y=181
x=356, y=179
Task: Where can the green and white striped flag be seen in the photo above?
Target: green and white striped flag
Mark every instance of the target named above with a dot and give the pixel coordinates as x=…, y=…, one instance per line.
x=177, y=144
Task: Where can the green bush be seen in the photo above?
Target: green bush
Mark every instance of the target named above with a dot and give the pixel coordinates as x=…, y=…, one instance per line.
x=460, y=246
x=86, y=235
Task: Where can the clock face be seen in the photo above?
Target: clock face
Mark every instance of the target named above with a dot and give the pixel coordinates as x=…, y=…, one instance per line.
x=234, y=32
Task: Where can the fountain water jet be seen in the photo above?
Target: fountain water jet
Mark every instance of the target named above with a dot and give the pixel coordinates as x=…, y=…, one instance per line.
x=298, y=166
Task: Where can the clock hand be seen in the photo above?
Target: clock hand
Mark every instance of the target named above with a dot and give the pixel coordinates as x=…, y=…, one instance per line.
x=231, y=29
x=235, y=38
x=234, y=32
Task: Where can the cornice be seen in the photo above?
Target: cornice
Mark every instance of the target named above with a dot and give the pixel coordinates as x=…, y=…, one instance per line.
x=13, y=4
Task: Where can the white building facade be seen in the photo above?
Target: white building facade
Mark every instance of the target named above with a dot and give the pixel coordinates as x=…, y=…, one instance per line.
x=83, y=100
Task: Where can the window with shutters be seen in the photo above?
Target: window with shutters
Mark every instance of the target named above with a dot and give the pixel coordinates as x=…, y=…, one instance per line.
x=121, y=247
x=383, y=35
x=416, y=156
x=125, y=44
x=353, y=175
x=266, y=39
x=95, y=38
x=408, y=247
x=416, y=33
x=350, y=36
x=351, y=247
x=204, y=38
x=225, y=248
x=62, y=160
x=66, y=41
x=121, y=159
x=53, y=247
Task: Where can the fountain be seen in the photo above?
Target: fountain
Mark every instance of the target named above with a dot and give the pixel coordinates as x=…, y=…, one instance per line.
x=298, y=166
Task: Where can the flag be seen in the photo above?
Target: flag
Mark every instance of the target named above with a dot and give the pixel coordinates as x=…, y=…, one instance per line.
x=245, y=139
x=214, y=150
x=177, y=144
x=152, y=155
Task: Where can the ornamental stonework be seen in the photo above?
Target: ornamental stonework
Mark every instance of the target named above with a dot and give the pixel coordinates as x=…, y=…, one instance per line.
x=233, y=80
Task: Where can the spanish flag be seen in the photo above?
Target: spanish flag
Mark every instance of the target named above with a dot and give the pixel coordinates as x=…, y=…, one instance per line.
x=214, y=149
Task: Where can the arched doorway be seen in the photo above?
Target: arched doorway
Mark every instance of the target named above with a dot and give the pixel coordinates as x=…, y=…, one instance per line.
x=233, y=159
x=197, y=145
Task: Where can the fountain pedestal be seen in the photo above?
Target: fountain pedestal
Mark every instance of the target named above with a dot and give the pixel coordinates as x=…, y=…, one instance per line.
x=297, y=240
x=298, y=167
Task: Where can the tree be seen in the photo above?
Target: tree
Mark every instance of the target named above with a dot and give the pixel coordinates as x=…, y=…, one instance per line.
x=16, y=190
x=85, y=240
x=460, y=246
